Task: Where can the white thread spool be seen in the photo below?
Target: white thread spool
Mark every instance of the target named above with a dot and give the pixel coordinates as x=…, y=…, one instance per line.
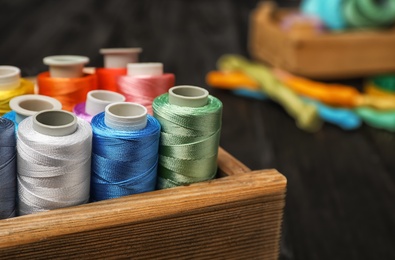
x=28, y=105
x=54, y=158
x=145, y=69
x=66, y=66
x=120, y=57
x=97, y=100
x=125, y=116
x=188, y=96
x=9, y=77
x=55, y=122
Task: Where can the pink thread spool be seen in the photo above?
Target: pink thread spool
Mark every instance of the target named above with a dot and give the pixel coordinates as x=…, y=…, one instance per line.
x=144, y=82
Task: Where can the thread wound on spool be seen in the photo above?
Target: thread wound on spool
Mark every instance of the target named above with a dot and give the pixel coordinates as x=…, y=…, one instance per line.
x=108, y=77
x=69, y=91
x=25, y=87
x=189, y=141
x=124, y=162
x=96, y=102
x=7, y=169
x=53, y=171
x=144, y=89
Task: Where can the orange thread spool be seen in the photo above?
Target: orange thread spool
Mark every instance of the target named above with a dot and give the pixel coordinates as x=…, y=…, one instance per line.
x=115, y=62
x=107, y=78
x=69, y=91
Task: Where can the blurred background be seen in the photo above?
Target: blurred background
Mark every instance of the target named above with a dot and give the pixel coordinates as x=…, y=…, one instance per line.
x=340, y=198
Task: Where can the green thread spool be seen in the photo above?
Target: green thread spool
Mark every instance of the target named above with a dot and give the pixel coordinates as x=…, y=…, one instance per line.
x=191, y=126
x=305, y=114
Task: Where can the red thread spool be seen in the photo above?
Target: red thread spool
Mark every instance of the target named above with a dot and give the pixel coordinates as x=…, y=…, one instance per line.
x=144, y=82
x=115, y=62
x=65, y=80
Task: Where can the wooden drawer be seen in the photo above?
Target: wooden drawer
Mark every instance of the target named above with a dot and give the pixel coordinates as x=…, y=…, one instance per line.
x=238, y=215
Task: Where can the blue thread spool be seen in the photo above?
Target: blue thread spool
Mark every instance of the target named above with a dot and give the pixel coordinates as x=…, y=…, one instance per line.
x=7, y=169
x=124, y=152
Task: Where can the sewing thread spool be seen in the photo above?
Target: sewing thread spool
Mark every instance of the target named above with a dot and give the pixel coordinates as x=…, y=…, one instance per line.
x=96, y=102
x=124, y=152
x=53, y=161
x=65, y=80
x=191, y=126
x=115, y=62
x=7, y=169
x=12, y=85
x=28, y=105
x=144, y=82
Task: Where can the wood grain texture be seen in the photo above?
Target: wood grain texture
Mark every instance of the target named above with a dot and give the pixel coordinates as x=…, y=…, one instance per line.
x=234, y=217
x=228, y=165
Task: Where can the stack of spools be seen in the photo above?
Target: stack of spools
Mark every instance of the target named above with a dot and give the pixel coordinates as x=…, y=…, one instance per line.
x=65, y=161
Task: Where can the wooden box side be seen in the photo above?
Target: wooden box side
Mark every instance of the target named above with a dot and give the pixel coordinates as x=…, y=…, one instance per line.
x=342, y=55
x=266, y=42
x=322, y=56
x=236, y=216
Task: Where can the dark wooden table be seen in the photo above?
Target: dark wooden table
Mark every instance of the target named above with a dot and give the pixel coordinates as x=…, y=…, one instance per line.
x=341, y=185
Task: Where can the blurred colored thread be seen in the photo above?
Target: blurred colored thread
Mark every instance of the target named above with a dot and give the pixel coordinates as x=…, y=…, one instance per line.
x=230, y=80
x=25, y=87
x=384, y=82
x=189, y=141
x=69, y=91
x=331, y=94
x=305, y=114
x=343, y=14
x=372, y=89
x=334, y=94
x=330, y=12
x=369, y=13
x=378, y=119
x=344, y=118
x=341, y=117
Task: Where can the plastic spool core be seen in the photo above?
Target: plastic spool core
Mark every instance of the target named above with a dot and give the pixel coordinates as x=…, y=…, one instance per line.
x=28, y=105
x=55, y=122
x=66, y=66
x=125, y=116
x=97, y=100
x=120, y=57
x=188, y=96
x=9, y=77
x=145, y=69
